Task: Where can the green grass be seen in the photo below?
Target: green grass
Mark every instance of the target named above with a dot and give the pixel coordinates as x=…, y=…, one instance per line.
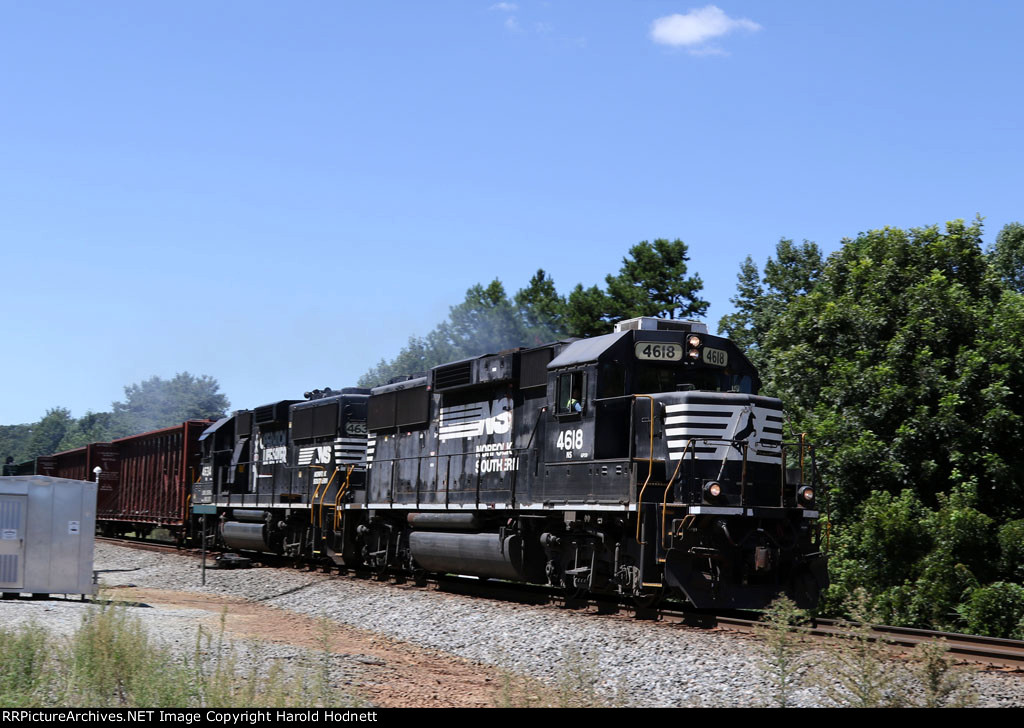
x=112, y=661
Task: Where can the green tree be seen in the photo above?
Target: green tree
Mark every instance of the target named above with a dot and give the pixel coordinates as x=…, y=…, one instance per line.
x=904, y=361
x=586, y=312
x=48, y=432
x=485, y=321
x=92, y=427
x=156, y=403
x=653, y=282
x=1011, y=544
x=1007, y=256
x=417, y=356
x=996, y=610
x=14, y=441
x=742, y=325
x=791, y=274
x=541, y=310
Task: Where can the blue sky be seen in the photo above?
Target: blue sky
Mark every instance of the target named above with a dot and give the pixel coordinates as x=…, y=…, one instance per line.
x=279, y=194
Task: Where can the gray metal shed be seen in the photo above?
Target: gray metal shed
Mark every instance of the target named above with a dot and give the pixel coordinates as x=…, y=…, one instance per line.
x=47, y=535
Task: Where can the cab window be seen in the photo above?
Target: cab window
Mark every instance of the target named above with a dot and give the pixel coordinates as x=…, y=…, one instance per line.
x=570, y=393
x=611, y=380
x=654, y=378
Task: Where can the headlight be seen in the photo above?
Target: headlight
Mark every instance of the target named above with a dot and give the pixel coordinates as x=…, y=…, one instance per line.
x=693, y=341
x=805, y=495
x=712, y=491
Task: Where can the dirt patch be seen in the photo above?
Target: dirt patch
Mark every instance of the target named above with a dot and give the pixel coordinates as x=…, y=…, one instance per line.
x=394, y=674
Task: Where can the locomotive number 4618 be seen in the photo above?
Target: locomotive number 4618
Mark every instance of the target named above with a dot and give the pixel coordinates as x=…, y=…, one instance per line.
x=658, y=351
x=570, y=440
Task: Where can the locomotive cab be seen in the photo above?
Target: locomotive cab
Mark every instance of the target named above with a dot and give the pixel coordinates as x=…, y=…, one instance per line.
x=605, y=393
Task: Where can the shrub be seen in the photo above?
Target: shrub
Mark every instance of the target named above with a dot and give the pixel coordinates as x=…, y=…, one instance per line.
x=996, y=610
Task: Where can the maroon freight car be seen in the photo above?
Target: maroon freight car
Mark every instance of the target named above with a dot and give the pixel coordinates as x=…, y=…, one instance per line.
x=81, y=464
x=157, y=470
x=144, y=480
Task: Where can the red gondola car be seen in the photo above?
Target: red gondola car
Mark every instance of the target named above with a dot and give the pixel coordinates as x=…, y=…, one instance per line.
x=144, y=480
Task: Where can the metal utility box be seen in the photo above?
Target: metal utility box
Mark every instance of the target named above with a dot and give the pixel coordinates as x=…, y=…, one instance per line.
x=47, y=535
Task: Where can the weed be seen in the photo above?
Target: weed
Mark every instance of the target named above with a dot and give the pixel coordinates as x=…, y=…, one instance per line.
x=25, y=669
x=939, y=683
x=784, y=656
x=858, y=669
x=111, y=661
x=578, y=686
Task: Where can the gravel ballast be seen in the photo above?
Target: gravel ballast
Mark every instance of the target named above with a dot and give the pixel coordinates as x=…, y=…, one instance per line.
x=639, y=663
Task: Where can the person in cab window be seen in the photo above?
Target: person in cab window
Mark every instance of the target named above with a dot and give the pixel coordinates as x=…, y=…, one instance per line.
x=574, y=405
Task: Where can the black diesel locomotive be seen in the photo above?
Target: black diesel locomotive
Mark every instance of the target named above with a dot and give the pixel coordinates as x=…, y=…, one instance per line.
x=635, y=463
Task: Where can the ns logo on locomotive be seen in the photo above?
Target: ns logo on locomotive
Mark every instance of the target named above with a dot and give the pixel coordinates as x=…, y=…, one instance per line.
x=638, y=463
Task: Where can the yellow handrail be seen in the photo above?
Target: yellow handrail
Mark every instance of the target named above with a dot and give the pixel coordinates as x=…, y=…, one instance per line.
x=341, y=492
x=650, y=468
x=324, y=496
x=316, y=492
x=664, y=502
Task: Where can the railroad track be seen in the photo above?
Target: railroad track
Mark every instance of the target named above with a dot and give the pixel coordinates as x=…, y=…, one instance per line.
x=974, y=648
x=144, y=545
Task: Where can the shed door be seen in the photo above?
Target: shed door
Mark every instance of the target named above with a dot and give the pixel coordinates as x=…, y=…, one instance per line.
x=12, y=541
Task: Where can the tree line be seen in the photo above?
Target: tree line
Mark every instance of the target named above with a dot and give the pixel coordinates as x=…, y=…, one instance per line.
x=902, y=356
x=652, y=281
x=149, y=405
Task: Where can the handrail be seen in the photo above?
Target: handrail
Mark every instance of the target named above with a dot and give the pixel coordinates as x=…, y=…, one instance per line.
x=341, y=492
x=668, y=485
x=782, y=476
x=650, y=469
x=743, y=474
x=828, y=501
x=802, y=436
x=324, y=495
x=316, y=492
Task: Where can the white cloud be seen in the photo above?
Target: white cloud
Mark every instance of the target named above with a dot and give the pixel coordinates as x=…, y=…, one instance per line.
x=505, y=7
x=512, y=24
x=697, y=26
